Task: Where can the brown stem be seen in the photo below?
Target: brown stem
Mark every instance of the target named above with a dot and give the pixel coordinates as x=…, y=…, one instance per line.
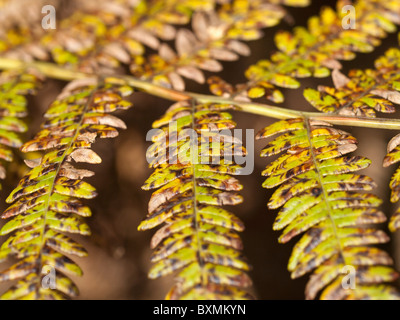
x=62, y=73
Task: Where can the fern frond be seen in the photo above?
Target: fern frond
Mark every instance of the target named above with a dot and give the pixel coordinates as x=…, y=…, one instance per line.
x=94, y=37
x=217, y=36
x=364, y=92
x=117, y=33
x=392, y=157
x=322, y=196
x=14, y=86
x=22, y=29
x=313, y=51
x=122, y=29
x=22, y=15
x=46, y=202
x=194, y=178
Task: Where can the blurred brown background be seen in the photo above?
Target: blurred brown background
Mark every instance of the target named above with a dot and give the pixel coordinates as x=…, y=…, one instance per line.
x=119, y=255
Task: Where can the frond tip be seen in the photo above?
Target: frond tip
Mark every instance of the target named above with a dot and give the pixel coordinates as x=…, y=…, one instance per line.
x=46, y=202
x=198, y=237
x=320, y=194
x=364, y=92
x=319, y=48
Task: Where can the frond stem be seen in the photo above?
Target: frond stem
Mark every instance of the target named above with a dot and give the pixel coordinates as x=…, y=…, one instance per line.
x=328, y=207
x=54, y=71
x=52, y=190
x=195, y=211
